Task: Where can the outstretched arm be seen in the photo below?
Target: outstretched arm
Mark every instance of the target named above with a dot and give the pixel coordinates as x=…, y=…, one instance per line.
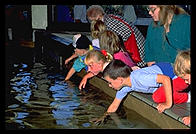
x=114, y=106
x=165, y=80
x=84, y=80
x=70, y=73
x=70, y=58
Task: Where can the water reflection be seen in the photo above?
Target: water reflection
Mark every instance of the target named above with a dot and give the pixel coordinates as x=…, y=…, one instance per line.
x=45, y=101
x=65, y=101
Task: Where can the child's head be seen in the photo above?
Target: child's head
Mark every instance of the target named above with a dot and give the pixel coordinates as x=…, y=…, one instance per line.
x=109, y=41
x=97, y=27
x=95, y=60
x=182, y=65
x=81, y=44
x=115, y=73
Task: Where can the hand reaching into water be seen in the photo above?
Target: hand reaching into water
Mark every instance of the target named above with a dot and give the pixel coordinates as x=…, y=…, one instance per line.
x=83, y=83
x=102, y=119
x=84, y=80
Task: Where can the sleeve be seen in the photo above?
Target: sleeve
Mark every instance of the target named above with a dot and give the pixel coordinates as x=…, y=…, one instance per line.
x=78, y=65
x=123, y=92
x=179, y=35
x=147, y=47
x=144, y=80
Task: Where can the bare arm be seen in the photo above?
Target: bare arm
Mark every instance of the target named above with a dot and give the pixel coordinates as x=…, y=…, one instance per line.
x=150, y=63
x=165, y=80
x=114, y=106
x=70, y=73
x=84, y=80
x=70, y=58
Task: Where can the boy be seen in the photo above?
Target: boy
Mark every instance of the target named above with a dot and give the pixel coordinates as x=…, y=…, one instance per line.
x=121, y=78
x=148, y=80
x=145, y=80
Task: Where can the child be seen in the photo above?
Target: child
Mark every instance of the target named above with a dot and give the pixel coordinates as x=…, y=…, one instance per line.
x=82, y=45
x=121, y=78
x=109, y=45
x=97, y=27
x=96, y=62
x=182, y=65
x=182, y=68
x=110, y=42
x=146, y=80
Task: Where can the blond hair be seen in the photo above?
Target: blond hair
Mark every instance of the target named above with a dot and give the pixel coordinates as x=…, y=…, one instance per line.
x=97, y=27
x=96, y=56
x=182, y=64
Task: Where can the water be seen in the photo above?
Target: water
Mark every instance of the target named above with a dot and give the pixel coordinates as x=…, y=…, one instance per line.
x=43, y=101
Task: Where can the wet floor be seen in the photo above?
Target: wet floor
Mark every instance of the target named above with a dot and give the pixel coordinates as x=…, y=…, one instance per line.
x=43, y=101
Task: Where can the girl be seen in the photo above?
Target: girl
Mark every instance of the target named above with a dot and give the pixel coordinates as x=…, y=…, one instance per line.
x=110, y=42
x=97, y=27
x=96, y=63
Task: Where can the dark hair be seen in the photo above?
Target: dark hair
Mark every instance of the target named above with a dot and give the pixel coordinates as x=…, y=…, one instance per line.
x=117, y=68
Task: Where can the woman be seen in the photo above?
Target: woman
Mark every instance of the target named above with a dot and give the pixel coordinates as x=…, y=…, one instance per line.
x=168, y=33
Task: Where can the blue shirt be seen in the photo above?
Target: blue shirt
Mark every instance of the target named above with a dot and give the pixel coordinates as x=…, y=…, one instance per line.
x=156, y=46
x=79, y=64
x=144, y=79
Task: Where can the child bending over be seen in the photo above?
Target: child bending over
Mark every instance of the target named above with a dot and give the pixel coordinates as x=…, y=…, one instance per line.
x=180, y=82
x=97, y=27
x=110, y=42
x=181, y=85
x=146, y=80
x=96, y=61
x=182, y=68
x=82, y=45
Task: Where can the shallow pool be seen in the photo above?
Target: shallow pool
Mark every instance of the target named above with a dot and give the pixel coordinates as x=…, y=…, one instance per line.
x=44, y=101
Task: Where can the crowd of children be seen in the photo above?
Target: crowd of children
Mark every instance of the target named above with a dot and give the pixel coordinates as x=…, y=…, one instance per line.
x=106, y=53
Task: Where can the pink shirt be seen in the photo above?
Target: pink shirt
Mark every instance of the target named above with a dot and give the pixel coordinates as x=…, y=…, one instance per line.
x=124, y=56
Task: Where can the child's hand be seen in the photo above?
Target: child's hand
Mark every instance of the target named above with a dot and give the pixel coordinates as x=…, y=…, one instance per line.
x=67, y=61
x=186, y=120
x=83, y=83
x=162, y=106
x=102, y=119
